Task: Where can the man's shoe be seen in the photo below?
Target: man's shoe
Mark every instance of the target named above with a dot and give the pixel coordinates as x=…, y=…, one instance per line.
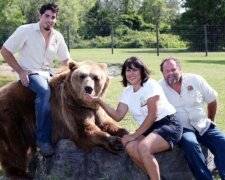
x=45, y=149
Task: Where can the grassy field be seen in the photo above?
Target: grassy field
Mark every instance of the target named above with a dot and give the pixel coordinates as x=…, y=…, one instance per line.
x=212, y=68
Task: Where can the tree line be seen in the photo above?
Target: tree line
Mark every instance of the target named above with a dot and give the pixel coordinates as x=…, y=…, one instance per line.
x=88, y=19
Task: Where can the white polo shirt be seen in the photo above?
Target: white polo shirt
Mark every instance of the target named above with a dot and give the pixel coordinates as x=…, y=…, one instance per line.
x=29, y=42
x=136, y=101
x=189, y=104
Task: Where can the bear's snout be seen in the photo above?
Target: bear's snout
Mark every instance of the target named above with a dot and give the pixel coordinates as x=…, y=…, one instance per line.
x=88, y=89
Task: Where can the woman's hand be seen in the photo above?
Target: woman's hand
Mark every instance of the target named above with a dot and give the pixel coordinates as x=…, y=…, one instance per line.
x=128, y=138
x=91, y=99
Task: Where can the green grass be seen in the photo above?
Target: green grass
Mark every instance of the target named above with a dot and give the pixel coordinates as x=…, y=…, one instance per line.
x=212, y=68
x=4, y=80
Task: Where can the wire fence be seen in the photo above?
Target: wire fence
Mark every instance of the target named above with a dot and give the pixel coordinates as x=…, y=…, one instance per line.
x=205, y=38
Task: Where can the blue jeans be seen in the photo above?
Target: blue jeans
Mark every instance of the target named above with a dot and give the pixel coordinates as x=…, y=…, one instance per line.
x=39, y=85
x=214, y=140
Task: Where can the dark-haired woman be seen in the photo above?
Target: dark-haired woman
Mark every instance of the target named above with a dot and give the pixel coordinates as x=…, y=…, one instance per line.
x=143, y=97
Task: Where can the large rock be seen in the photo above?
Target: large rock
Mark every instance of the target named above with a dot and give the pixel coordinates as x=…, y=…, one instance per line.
x=71, y=163
x=173, y=165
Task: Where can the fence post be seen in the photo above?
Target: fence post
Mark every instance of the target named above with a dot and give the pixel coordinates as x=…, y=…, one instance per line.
x=157, y=38
x=206, y=40
x=112, y=40
x=68, y=37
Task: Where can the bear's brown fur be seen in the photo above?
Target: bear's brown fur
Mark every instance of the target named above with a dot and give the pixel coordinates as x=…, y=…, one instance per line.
x=87, y=125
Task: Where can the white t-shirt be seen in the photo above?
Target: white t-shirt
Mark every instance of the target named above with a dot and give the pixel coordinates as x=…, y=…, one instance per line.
x=189, y=104
x=29, y=42
x=136, y=101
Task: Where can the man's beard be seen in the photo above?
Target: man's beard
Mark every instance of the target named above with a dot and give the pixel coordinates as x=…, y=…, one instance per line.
x=173, y=79
x=47, y=29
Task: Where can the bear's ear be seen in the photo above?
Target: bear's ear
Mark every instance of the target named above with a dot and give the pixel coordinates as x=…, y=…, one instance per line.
x=73, y=66
x=103, y=66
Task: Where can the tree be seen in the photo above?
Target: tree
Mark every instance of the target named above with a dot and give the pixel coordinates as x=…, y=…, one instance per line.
x=98, y=21
x=172, y=10
x=133, y=21
x=67, y=17
x=204, y=12
x=159, y=11
x=130, y=6
x=9, y=20
x=200, y=12
x=68, y=20
x=102, y=17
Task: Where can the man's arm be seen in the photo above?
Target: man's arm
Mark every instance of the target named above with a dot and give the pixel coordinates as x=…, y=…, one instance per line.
x=11, y=60
x=212, y=107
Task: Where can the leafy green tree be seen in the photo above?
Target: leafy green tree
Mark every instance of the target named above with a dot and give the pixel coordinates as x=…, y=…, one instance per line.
x=172, y=10
x=30, y=9
x=84, y=8
x=151, y=11
x=68, y=20
x=98, y=21
x=160, y=12
x=199, y=13
x=108, y=14
x=9, y=20
x=133, y=21
x=130, y=6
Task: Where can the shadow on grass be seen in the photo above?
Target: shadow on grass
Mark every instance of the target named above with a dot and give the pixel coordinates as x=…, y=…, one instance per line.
x=155, y=51
x=222, y=62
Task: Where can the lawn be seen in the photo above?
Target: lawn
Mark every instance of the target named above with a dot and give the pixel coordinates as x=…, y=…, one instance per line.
x=211, y=67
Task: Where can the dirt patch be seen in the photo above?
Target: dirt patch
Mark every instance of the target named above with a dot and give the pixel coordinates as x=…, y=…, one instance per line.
x=6, y=70
x=114, y=69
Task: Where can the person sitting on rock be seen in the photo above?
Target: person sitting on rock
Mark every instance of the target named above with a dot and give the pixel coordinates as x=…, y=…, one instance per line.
x=188, y=93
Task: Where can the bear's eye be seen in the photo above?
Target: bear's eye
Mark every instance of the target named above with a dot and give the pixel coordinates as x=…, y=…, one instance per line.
x=82, y=76
x=96, y=78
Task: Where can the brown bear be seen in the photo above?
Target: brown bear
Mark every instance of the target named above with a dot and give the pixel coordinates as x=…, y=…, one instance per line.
x=87, y=125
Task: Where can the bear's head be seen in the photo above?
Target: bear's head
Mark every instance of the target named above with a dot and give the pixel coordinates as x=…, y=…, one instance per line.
x=88, y=77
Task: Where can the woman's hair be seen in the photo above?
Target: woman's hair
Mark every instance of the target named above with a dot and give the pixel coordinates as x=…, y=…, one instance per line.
x=50, y=6
x=137, y=63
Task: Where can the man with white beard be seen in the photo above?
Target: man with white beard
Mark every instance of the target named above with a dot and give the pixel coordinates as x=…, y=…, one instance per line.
x=188, y=93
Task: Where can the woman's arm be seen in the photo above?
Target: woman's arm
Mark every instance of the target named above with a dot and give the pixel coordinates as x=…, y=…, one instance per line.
x=117, y=114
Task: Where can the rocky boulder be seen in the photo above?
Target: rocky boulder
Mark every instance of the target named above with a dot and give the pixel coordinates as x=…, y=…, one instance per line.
x=72, y=163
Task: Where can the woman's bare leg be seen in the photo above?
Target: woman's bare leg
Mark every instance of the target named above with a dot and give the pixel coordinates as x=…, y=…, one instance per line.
x=132, y=151
x=150, y=145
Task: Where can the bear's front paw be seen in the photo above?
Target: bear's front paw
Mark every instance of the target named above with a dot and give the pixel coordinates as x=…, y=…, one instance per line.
x=121, y=132
x=115, y=143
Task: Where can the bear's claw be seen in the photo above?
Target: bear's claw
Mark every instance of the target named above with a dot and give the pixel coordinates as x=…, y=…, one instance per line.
x=115, y=143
